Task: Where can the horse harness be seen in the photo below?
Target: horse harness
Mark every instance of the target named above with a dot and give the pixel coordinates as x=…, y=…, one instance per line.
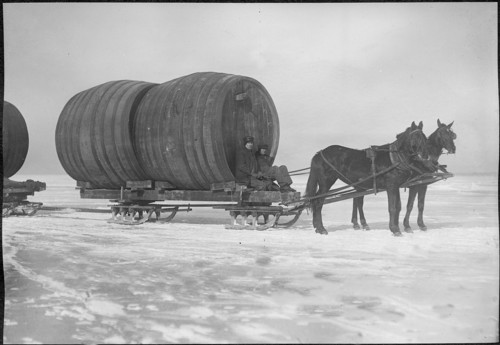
x=397, y=160
x=333, y=167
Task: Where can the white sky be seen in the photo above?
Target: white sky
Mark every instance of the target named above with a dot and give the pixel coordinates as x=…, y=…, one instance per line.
x=349, y=74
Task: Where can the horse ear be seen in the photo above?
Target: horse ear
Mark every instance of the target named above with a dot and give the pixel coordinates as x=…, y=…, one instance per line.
x=413, y=125
x=420, y=125
x=449, y=126
x=439, y=123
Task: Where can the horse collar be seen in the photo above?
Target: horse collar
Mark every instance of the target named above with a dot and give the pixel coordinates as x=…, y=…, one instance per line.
x=397, y=158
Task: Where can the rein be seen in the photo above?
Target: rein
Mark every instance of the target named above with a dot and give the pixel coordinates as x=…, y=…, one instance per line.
x=297, y=172
x=333, y=192
x=294, y=171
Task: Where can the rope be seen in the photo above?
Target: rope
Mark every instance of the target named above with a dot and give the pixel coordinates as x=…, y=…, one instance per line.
x=304, y=173
x=294, y=171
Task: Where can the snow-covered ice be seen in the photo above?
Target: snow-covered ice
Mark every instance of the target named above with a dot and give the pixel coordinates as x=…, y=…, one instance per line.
x=73, y=278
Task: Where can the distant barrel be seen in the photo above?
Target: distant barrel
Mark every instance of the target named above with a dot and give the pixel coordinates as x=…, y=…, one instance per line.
x=94, y=134
x=187, y=131
x=15, y=139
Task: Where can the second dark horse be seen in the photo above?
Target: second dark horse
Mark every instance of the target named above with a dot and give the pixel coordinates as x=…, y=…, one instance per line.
x=351, y=165
x=442, y=138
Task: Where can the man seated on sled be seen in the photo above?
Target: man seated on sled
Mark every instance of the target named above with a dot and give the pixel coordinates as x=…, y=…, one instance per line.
x=248, y=172
x=247, y=169
x=270, y=172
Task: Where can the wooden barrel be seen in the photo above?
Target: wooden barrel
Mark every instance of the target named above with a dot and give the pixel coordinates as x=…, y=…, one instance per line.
x=94, y=134
x=15, y=139
x=188, y=130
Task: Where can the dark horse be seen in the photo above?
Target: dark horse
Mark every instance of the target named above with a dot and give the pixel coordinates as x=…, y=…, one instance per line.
x=441, y=138
x=350, y=166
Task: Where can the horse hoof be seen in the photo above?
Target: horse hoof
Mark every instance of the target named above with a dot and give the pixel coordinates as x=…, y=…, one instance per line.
x=397, y=234
x=408, y=230
x=356, y=226
x=423, y=228
x=322, y=231
x=366, y=227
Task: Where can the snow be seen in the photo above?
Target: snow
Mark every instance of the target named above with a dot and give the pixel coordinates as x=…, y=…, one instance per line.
x=74, y=278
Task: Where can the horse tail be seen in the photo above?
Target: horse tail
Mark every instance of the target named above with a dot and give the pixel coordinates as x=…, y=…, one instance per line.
x=312, y=181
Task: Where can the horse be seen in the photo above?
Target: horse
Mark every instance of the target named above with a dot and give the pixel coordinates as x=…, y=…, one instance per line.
x=441, y=138
x=351, y=165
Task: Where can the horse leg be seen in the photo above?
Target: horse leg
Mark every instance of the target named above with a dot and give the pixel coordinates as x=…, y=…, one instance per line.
x=392, y=197
x=398, y=207
x=314, y=207
x=324, y=186
x=354, y=218
x=409, y=206
x=360, y=203
x=317, y=218
x=421, y=203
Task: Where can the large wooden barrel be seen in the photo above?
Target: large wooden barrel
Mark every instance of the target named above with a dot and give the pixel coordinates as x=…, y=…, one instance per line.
x=15, y=139
x=187, y=131
x=94, y=134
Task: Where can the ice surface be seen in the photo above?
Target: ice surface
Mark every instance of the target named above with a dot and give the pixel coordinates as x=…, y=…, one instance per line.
x=73, y=278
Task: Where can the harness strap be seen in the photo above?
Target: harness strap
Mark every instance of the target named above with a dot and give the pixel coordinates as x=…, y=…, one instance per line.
x=294, y=171
x=338, y=172
x=396, y=157
x=334, y=192
x=335, y=169
x=374, y=172
x=375, y=148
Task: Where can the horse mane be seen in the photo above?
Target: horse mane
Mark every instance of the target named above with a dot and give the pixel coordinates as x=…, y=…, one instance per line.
x=401, y=138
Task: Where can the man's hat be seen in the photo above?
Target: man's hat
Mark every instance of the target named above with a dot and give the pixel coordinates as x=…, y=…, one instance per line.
x=263, y=146
x=247, y=139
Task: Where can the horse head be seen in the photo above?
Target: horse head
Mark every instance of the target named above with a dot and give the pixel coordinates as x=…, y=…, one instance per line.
x=444, y=136
x=413, y=141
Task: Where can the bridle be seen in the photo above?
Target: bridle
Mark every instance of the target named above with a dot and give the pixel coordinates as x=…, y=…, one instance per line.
x=442, y=132
x=421, y=144
x=397, y=157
